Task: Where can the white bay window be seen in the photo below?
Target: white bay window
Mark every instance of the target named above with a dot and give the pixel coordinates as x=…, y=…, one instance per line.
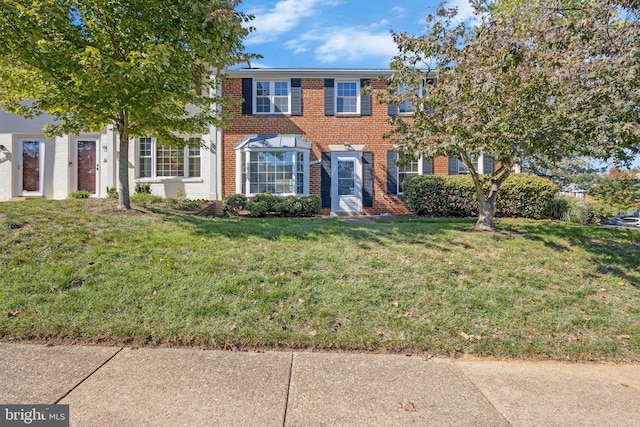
x=272, y=163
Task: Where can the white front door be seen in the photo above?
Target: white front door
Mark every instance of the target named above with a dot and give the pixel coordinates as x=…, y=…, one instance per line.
x=31, y=167
x=346, y=182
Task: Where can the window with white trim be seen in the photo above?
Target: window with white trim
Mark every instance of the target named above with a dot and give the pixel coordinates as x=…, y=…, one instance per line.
x=463, y=169
x=272, y=97
x=156, y=160
x=408, y=106
x=282, y=172
x=406, y=170
x=347, y=99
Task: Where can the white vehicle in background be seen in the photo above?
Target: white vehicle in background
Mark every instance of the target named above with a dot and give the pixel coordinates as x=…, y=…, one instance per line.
x=628, y=221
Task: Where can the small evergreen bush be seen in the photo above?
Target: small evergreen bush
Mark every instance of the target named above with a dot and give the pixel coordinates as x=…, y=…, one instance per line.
x=233, y=204
x=310, y=205
x=288, y=206
x=112, y=193
x=269, y=204
x=143, y=188
x=80, y=194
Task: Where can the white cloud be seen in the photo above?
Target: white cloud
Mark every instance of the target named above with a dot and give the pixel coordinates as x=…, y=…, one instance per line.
x=296, y=46
x=399, y=11
x=345, y=44
x=286, y=15
x=465, y=10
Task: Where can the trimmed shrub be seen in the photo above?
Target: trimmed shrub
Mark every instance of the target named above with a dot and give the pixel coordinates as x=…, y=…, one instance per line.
x=526, y=196
x=262, y=204
x=233, y=204
x=287, y=206
x=310, y=205
x=269, y=204
x=258, y=208
x=143, y=188
x=80, y=194
x=523, y=196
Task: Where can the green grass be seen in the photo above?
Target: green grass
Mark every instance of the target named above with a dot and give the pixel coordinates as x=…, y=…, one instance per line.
x=81, y=270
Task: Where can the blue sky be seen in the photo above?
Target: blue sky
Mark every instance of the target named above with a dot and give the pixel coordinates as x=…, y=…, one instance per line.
x=334, y=33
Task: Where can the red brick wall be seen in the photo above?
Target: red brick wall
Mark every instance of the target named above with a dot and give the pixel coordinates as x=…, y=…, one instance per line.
x=441, y=166
x=321, y=131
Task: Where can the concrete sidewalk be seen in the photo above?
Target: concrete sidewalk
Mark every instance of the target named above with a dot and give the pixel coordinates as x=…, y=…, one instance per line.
x=107, y=386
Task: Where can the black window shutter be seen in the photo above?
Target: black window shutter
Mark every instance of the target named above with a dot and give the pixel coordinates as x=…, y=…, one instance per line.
x=296, y=97
x=453, y=166
x=365, y=100
x=427, y=167
x=325, y=180
x=393, y=110
x=367, y=179
x=247, y=96
x=487, y=165
x=392, y=173
x=329, y=108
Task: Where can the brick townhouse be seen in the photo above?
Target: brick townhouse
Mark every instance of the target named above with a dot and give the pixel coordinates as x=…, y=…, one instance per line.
x=312, y=131
x=291, y=131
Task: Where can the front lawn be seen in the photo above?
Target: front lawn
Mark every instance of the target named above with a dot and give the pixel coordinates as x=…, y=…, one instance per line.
x=79, y=270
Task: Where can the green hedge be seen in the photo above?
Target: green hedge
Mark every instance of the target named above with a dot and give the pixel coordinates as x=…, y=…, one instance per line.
x=524, y=196
x=269, y=204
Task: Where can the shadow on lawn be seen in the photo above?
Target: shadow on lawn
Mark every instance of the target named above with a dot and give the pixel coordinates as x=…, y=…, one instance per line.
x=311, y=229
x=614, y=251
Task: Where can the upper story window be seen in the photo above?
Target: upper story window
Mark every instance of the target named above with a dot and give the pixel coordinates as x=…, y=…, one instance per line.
x=407, y=106
x=156, y=160
x=272, y=97
x=347, y=99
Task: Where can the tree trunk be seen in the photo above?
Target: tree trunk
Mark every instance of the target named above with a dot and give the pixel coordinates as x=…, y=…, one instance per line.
x=123, y=165
x=486, y=210
x=486, y=207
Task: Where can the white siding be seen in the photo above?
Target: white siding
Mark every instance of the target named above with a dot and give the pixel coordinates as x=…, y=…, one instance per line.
x=6, y=167
x=60, y=163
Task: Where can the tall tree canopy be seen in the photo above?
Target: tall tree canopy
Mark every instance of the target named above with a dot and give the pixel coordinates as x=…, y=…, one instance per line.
x=530, y=79
x=143, y=66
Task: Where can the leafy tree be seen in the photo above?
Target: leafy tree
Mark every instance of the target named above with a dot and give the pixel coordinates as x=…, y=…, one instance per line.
x=620, y=189
x=529, y=80
x=142, y=66
x=578, y=170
